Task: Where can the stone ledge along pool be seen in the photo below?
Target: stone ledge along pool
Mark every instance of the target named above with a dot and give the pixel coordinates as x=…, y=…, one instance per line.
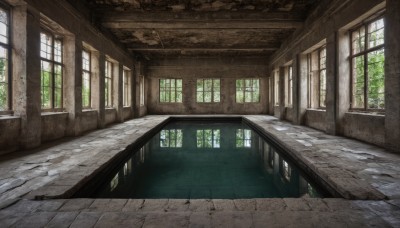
x=204, y=160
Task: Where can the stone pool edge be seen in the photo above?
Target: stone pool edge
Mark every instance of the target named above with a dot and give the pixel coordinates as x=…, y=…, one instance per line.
x=339, y=184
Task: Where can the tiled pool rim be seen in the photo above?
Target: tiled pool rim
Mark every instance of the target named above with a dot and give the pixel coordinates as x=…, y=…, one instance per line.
x=340, y=184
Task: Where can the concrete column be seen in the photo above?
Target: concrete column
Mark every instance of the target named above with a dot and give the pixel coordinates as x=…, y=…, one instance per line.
x=136, y=97
x=392, y=76
x=133, y=90
x=267, y=95
x=272, y=94
x=343, y=79
x=118, y=71
x=98, y=84
x=282, y=95
x=26, y=71
x=300, y=88
x=331, y=84
x=73, y=83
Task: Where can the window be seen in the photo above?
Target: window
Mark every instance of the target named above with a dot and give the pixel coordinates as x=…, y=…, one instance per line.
x=208, y=90
x=127, y=88
x=247, y=90
x=108, y=84
x=141, y=84
x=171, y=90
x=171, y=138
x=276, y=87
x=5, y=76
x=243, y=138
x=290, y=86
x=322, y=77
x=208, y=138
x=51, y=71
x=367, y=63
x=86, y=79
x=316, y=86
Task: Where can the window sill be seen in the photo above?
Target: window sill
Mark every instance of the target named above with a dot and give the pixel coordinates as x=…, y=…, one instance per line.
x=53, y=113
x=316, y=110
x=8, y=117
x=365, y=113
x=89, y=110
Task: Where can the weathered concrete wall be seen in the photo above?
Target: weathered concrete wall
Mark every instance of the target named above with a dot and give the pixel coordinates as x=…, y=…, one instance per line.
x=127, y=113
x=289, y=114
x=9, y=134
x=316, y=119
x=277, y=111
x=366, y=127
x=54, y=126
x=110, y=116
x=329, y=24
x=88, y=120
x=35, y=126
x=189, y=69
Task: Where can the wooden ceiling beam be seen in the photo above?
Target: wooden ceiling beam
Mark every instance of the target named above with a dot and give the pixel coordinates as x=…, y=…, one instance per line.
x=204, y=25
x=170, y=17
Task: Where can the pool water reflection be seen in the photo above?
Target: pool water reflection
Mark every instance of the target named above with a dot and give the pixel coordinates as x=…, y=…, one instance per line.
x=206, y=160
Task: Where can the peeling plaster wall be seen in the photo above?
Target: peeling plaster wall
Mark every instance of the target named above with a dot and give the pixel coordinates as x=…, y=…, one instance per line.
x=111, y=116
x=127, y=113
x=88, y=120
x=189, y=69
x=54, y=126
x=316, y=119
x=366, y=127
x=10, y=128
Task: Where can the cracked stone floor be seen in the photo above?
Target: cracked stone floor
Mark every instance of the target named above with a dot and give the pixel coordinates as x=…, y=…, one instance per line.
x=367, y=177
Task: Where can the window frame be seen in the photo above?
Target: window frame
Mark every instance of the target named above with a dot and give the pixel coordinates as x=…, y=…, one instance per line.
x=243, y=90
x=170, y=101
x=276, y=87
x=89, y=72
x=53, y=62
x=290, y=85
x=126, y=81
x=364, y=53
x=320, y=49
x=141, y=90
x=213, y=91
x=108, y=101
x=313, y=93
x=8, y=46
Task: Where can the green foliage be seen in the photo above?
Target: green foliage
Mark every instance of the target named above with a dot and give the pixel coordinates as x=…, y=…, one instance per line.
x=247, y=90
x=3, y=84
x=170, y=90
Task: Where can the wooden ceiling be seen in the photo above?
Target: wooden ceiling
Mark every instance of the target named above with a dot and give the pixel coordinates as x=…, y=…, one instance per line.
x=157, y=28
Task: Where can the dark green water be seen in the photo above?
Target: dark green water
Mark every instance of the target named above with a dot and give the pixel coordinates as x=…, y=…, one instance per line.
x=192, y=160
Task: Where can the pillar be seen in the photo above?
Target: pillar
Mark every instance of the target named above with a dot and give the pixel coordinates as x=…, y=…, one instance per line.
x=282, y=95
x=26, y=71
x=73, y=83
x=300, y=72
x=392, y=76
x=118, y=91
x=331, y=84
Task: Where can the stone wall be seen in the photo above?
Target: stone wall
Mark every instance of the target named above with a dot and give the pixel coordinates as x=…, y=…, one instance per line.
x=228, y=69
x=28, y=126
x=329, y=25
x=54, y=126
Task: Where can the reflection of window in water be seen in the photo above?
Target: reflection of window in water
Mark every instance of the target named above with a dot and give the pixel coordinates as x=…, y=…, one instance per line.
x=243, y=138
x=114, y=182
x=141, y=153
x=171, y=138
x=208, y=138
x=312, y=192
x=125, y=169
x=286, y=170
x=271, y=157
